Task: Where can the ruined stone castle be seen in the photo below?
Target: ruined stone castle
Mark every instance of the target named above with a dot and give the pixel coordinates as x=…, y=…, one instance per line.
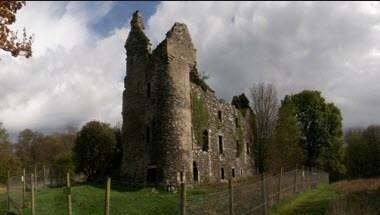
x=174, y=127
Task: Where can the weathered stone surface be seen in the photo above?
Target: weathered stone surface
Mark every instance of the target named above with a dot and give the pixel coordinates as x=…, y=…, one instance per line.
x=165, y=115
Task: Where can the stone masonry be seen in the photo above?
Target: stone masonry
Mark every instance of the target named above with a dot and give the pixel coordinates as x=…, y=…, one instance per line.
x=174, y=127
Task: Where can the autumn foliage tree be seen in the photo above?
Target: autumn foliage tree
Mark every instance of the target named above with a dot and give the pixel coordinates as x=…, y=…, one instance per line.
x=10, y=40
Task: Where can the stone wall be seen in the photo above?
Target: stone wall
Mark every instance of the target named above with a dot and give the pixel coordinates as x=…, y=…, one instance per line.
x=233, y=126
x=166, y=112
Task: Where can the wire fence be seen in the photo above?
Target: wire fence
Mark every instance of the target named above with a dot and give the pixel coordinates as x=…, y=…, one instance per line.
x=27, y=193
x=255, y=196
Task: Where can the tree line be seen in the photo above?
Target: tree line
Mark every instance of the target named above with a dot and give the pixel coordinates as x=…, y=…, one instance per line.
x=306, y=130
x=95, y=150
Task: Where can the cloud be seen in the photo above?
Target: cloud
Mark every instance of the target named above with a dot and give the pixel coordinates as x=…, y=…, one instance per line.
x=331, y=47
x=73, y=77
x=76, y=76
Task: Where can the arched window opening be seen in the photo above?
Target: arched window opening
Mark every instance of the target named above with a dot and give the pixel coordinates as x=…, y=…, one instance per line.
x=220, y=115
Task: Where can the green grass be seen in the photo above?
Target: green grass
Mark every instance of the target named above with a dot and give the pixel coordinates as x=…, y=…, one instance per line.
x=346, y=197
x=314, y=202
x=2, y=203
x=89, y=199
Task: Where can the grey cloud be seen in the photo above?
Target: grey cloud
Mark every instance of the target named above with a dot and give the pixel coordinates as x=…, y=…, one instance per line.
x=294, y=45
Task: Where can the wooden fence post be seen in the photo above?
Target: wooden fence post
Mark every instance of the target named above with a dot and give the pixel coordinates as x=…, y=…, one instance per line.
x=44, y=172
x=264, y=194
x=68, y=191
x=183, y=199
x=231, y=197
x=311, y=178
x=33, y=198
x=279, y=186
x=107, y=197
x=50, y=177
x=8, y=191
x=295, y=180
x=35, y=180
x=23, y=186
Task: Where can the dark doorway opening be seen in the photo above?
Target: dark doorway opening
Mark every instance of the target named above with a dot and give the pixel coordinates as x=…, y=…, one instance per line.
x=195, y=171
x=152, y=175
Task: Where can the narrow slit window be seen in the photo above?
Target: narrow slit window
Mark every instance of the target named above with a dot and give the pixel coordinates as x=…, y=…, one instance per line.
x=233, y=172
x=148, y=90
x=222, y=173
x=248, y=150
x=220, y=144
x=147, y=134
x=205, y=140
x=237, y=148
x=220, y=115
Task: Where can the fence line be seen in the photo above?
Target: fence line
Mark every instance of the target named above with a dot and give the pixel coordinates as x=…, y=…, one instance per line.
x=245, y=196
x=258, y=197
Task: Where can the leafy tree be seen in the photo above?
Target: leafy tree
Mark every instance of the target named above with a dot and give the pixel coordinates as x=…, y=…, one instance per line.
x=321, y=130
x=286, y=150
x=94, y=149
x=9, y=40
x=356, y=154
x=372, y=137
x=8, y=161
x=265, y=109
x=29, y=148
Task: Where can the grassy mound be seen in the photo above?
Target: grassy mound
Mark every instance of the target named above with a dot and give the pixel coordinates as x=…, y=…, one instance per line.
x=346, y=197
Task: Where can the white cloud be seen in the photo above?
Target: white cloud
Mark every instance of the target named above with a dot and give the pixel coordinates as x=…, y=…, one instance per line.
x=73, y=76
x=331, y=47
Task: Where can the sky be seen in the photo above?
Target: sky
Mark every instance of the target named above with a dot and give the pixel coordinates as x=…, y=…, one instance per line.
x=78, y=65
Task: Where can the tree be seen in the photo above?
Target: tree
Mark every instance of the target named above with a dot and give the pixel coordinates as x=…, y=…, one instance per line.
x=29, y=148
x=94, y=149
x=9, y=40
x=356, y=154
x=321, y=127
x=362, y=156
x=286, y=150
x=8, y=161
x=372, y=138
x=265, y=108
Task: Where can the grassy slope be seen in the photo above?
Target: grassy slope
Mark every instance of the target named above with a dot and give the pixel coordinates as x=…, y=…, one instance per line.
x=88, y=199
x=347, y=197
x=313, y=202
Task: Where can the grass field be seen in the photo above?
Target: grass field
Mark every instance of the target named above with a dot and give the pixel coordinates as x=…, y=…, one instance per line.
x=347, y=197
x=88, y=199
x=357, y=197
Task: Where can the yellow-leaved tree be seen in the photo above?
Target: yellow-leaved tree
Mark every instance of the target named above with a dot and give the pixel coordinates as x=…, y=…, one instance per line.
x=9, y=39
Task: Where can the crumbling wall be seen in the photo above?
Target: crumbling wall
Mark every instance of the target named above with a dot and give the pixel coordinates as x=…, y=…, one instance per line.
x=234, y=127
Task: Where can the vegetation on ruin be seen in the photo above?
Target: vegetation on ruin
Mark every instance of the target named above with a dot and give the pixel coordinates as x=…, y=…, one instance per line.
x=200, y=117
x=199, y=79
x=240, y=132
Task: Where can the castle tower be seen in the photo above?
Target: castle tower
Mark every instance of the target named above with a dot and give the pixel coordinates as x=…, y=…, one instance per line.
x=135, y=110
x=157, y=106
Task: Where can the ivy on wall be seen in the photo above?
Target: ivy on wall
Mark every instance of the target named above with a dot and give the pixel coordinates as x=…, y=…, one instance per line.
x=200, y=117
x=239, y=135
